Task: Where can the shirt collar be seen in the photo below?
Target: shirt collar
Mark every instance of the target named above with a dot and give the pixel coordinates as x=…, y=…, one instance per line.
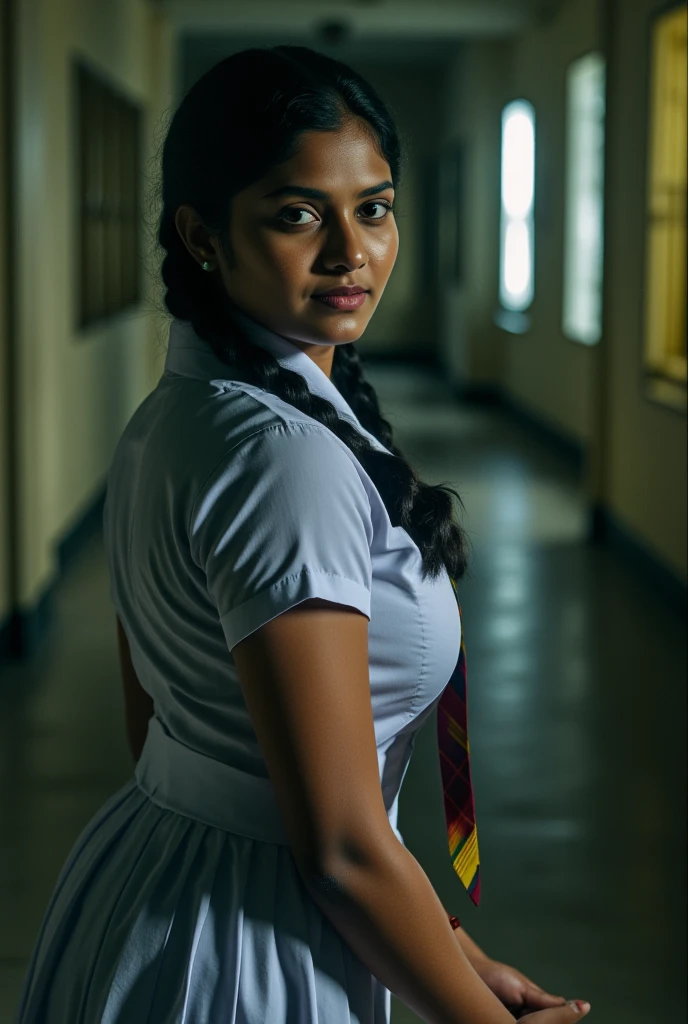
x=189, y=355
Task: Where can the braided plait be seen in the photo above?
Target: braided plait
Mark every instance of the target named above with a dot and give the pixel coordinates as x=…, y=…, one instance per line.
x=348, y=378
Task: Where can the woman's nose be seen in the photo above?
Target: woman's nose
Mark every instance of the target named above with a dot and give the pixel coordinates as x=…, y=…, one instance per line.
x=344, y=247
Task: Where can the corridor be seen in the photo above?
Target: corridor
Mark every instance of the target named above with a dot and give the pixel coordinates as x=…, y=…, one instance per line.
x=576, y=668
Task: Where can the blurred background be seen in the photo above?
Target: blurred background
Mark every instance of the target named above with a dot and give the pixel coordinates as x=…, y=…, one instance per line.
x=530, y=350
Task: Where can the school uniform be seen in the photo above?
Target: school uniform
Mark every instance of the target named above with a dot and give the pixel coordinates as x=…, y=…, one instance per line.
x=181, y=900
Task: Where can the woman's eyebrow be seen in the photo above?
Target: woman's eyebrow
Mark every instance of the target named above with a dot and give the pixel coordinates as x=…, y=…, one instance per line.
x=316, y=193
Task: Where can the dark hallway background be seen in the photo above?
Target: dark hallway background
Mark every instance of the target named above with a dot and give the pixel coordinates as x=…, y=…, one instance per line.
x=539, y=291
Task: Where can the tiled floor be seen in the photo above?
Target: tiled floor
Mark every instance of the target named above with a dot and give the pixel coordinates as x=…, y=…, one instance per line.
x=577, y=682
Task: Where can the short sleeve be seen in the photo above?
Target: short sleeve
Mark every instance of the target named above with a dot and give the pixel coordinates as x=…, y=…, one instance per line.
x=283, y=518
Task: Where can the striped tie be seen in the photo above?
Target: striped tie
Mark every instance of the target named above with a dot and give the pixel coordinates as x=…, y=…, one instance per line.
x=454, y=750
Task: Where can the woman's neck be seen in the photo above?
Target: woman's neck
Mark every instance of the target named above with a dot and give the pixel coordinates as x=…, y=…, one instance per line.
x=322, y=355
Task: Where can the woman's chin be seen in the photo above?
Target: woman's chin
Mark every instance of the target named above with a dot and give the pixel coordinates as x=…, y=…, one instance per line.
x=338, y=328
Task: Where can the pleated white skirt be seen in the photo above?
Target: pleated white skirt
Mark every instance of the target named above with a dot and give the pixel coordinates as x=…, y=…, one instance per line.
x=181, y=903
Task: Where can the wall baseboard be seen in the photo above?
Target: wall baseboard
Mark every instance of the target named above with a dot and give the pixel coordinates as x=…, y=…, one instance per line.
x=24, y=632
x=606, y=528
x=568, y=447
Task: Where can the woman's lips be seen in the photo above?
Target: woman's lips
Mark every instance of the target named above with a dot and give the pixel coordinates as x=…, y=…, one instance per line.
x=343, y=301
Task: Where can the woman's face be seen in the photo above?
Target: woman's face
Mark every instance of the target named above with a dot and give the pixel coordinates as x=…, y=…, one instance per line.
x=306, y=227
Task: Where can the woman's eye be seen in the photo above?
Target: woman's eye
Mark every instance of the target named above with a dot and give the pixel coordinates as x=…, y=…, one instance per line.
x=385, y=208
x=294, y=215
x=298, y=212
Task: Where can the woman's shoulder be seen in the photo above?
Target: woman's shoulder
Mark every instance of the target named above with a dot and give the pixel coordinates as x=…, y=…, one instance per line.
x=253, y=418
x=219, y=433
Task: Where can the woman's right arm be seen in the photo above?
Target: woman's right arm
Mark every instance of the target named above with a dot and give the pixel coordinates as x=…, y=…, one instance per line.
x=305, y=680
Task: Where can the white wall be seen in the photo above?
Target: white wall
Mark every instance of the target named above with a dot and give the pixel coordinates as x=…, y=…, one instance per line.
x=594, y=395
x=406, y=319
x=545, y=371
x=76, y=390
x=475, y=91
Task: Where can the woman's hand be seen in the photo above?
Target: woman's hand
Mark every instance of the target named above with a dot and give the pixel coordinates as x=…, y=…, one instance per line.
x=518, y=993
x=569, y=1013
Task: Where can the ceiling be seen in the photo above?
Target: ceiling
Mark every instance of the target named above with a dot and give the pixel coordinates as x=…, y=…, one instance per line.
x=412, y=20
x=199, y=52
x=418, y=33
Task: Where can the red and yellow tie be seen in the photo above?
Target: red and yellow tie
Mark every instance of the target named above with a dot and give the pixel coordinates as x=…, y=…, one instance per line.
x=454, y=750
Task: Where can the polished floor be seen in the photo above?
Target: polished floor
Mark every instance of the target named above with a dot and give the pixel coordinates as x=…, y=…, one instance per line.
x=577, y=683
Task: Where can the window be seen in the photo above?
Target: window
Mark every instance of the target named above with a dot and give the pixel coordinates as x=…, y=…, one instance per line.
x=108, y=199
x=665, y=270
x=583, y=229
x=518, y=191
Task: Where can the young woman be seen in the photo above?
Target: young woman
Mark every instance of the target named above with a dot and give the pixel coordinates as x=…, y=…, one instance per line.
x=285, y=615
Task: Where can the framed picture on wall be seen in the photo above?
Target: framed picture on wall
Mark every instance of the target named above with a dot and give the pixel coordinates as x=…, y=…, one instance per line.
x=108, y=145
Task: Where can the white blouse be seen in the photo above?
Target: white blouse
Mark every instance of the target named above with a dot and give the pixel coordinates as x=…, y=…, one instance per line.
x=226, y=506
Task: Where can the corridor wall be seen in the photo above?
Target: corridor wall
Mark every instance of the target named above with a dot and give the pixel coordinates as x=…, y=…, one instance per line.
x=5, y=151
x=405, y=321
x=543, y=370
x=74, y=389
x=593, y=396
x=645, y=458
x=476, y=88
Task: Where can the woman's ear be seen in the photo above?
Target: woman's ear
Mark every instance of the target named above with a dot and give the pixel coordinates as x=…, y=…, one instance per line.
x=195, y=236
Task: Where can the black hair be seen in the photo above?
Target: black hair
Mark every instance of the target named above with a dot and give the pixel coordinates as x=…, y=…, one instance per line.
x=241, y=118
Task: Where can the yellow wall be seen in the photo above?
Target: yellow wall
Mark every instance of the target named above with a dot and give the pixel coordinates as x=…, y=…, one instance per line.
x=637, y=449
x=4, y=368
x=645, y=443
x=76, y=390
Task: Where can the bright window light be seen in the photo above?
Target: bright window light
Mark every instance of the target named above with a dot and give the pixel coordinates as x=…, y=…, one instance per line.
x=518, y=193
x=517, y=263
x=583, y=229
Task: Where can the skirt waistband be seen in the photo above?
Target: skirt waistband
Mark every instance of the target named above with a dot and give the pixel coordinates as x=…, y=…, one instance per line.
x=180, y=779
